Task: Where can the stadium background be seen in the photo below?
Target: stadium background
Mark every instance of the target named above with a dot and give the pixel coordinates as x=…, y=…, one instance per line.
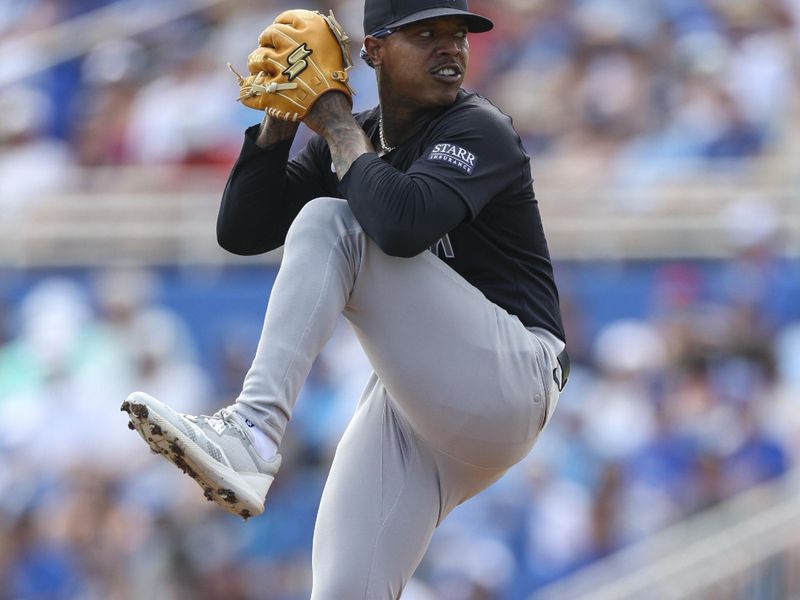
x=665, y=146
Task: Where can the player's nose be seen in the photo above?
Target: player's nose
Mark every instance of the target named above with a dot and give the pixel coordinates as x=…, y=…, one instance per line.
x=450, y=47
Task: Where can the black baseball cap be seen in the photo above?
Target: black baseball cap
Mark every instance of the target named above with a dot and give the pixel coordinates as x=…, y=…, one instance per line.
x=390, y=14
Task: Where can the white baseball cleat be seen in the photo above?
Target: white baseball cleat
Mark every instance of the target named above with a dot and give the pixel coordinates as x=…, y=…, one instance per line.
x=216, y=451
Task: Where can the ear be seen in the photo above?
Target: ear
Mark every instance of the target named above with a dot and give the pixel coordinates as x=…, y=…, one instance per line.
x=374, y=48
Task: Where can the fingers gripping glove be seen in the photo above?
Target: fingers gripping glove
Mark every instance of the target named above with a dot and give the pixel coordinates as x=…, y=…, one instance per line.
x=300, y=57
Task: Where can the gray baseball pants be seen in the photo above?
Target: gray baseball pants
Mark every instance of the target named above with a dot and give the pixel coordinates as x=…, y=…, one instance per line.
x=459, y=393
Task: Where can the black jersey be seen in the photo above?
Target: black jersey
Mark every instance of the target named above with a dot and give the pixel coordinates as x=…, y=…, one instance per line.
x=461, y=186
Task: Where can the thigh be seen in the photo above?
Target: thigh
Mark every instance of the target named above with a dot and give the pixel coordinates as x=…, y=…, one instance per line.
x=466, y=374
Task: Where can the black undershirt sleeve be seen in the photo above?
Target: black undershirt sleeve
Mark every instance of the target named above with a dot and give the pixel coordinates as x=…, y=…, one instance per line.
x=403, y=213
x=264, y=193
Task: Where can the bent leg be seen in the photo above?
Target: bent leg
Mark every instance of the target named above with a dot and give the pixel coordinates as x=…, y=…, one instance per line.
x=470, y=378
x=460, y=394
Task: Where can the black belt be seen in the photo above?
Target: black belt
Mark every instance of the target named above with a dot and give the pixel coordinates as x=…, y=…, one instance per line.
x=563, y=361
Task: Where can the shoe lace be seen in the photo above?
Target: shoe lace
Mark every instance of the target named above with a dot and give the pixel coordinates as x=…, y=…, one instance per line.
x=225, y=416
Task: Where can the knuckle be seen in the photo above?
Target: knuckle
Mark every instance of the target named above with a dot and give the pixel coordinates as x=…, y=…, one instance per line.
x=286, y=17
x=255, y=60
x=259, y=62
x=265, y=38
x=294, y=17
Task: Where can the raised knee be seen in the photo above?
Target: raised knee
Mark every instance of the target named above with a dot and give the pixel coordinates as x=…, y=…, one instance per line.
x=326, y=213
x=322, y=222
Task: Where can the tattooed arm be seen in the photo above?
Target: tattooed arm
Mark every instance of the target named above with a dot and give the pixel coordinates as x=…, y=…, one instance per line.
x=404, y=213
x=331, y=118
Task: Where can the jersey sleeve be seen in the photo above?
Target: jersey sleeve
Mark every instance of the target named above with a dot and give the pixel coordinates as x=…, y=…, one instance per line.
x=477, y=153
x=470, y=157
x=402, y=213
x=266, y=190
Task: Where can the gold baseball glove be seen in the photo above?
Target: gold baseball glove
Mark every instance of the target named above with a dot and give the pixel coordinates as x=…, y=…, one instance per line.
x=301, y=56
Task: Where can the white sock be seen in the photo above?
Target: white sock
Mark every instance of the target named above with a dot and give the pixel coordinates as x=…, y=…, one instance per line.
x=265, y=447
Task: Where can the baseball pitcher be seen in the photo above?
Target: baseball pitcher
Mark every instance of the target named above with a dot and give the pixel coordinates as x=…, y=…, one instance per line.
x=417, y=221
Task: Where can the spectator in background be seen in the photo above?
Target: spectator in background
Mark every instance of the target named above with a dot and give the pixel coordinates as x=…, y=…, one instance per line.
x=162, y=131
x=24, y=149
x=647, y=91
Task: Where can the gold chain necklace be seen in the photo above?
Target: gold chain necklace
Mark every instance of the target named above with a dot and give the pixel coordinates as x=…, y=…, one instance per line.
x=385, y=148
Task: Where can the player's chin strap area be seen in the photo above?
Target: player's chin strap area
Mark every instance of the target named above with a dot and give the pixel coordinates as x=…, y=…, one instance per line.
x=563, y=362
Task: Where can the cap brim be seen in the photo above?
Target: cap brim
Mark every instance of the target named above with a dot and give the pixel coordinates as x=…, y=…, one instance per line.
x=475, y=23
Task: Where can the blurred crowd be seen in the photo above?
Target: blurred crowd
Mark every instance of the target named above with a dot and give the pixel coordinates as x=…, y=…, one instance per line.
x=639, y=90
x=685, y=396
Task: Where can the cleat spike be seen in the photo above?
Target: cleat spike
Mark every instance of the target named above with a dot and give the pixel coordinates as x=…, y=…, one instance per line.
x=193, y=452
